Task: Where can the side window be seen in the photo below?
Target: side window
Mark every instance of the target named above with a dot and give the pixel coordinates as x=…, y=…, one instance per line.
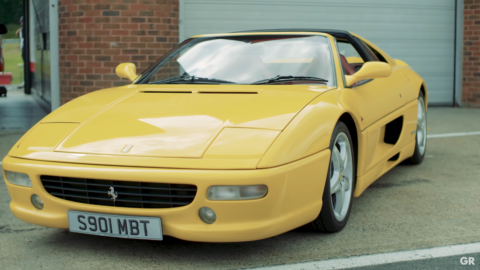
x=379, y=56
x=367, y=49
x=355, y=61
x=347, y=50
x=375, y=55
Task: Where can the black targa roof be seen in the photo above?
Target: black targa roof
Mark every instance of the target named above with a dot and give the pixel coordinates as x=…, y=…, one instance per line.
x=341, y=34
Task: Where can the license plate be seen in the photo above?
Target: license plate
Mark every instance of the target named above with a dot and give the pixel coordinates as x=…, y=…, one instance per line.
x=115, y=225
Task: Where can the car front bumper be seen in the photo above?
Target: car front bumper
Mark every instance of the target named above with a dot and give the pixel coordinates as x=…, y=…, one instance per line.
x=294, y=197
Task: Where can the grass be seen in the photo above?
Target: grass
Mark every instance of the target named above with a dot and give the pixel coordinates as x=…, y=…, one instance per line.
x=13, y=56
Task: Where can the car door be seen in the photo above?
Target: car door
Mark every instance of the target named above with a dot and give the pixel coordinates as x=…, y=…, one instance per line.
x=378, y=104
x=373, y=99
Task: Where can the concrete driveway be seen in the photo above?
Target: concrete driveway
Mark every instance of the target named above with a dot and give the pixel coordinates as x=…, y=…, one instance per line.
x=411, y=207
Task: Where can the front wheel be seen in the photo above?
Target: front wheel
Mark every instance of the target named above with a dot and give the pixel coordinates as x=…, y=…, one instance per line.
x=338, y=191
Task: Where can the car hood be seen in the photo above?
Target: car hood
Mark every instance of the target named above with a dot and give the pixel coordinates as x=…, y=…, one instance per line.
x=170, y=123
x=183, y=122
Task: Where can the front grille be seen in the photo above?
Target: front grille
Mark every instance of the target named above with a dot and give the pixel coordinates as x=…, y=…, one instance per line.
x=130, y=194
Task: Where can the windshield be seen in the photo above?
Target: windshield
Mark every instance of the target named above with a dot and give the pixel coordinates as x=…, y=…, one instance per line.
x=247, y=60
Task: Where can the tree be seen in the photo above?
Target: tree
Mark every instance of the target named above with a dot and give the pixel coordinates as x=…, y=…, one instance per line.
x=11, y=11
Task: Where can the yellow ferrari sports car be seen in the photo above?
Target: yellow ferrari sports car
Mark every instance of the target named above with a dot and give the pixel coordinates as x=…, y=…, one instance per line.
x=227, y=138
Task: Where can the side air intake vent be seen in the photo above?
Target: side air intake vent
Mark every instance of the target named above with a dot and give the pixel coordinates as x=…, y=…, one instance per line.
x=393, y=130
x=395, y=158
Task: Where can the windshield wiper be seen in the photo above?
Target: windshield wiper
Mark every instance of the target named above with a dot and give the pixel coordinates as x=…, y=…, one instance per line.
x=280, y=78
x=189, y=79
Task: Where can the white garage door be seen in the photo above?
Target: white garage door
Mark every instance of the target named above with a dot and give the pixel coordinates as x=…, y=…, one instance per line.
x=419, y=32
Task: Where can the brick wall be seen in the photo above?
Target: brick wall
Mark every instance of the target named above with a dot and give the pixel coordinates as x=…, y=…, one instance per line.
x=471, y=54
x=97, y=35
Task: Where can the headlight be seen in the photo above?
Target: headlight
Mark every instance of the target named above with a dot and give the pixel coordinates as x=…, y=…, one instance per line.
x=20, y=179
x=224, y=193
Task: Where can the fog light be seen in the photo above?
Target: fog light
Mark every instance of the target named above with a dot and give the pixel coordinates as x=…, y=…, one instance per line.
x=207, y=215
x=224, y=193
x=37, y=201
x=17, y=178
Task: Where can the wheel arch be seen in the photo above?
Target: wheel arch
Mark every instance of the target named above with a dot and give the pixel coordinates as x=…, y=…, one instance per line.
x=423, y=89
x=348, y=120
x=308, y=133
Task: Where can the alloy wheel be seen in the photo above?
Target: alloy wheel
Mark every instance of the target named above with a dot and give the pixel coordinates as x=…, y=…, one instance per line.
x=421, y=126
x=341, y=176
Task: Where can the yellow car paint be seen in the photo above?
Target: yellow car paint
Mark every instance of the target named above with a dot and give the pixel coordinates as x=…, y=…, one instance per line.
x=51, y=134
x=204, y=114
x=354, y=60
x=293, y=199
x=231, y=143
x=234, y=134
x=181, y=124
x=127, y=71
x=369, y=70
x=374, y=153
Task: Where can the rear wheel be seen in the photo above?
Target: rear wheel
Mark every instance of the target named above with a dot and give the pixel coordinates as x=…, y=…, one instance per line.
x=421, y=136
x=338, y=191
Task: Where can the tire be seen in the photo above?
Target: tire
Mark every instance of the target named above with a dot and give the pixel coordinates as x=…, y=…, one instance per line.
x=421, y=133
x=333, y=217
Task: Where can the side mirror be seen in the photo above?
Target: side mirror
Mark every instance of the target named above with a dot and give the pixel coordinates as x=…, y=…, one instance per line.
x=3, y=29
x=369, y=70
x=127, y=71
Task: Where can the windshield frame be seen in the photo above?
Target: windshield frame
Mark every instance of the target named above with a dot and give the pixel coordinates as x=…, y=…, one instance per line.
x=147, y=73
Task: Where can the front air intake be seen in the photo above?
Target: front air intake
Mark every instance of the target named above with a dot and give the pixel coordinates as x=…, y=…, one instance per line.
x=130, y=194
